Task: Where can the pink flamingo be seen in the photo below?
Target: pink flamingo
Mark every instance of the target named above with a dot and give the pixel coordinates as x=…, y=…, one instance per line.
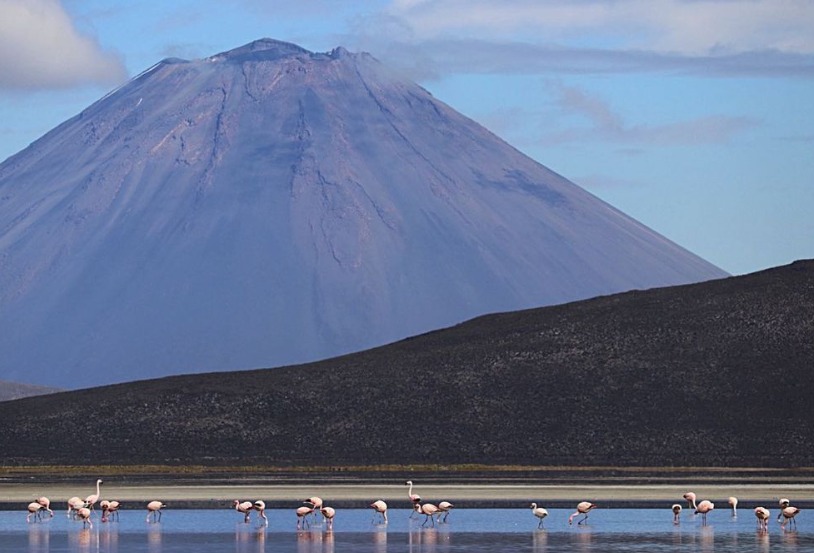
x=260, y=507
x=154, y=508
x=74, y=504
x=45, y=503
x=733, y=504
x=245, y=508
x=583, y=508
x=328, y=514
x=316, y=505
x=788, y=516
x=303, y=512
x=415, y=499
x=380, y=507
x=33, y=509
x=83, y=514
x=762, y=515
x=428, y=510
x=110, y=510
x=93, y=498
x=783, y=503
x=704, y=507
x=690, y=497
x=676, y=513
x=540, y=513
x=444, y=507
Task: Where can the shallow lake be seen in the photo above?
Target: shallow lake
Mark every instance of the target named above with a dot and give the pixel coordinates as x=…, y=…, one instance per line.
x=354, y=530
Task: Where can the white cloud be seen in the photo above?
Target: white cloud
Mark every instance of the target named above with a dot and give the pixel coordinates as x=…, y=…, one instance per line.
x=40, y=48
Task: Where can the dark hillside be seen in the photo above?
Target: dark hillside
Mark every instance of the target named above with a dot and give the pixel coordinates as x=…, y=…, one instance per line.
x=716, y=373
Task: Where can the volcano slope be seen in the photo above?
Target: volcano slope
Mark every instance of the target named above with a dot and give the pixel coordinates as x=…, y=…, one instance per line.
x=710, y=374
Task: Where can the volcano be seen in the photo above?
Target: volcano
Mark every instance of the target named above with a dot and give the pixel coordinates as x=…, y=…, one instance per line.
x=270, y=206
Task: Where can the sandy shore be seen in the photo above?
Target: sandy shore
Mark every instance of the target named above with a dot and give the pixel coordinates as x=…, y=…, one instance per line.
x=12, y=495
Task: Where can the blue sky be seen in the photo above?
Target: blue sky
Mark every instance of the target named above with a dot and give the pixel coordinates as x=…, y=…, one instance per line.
x=695, y=117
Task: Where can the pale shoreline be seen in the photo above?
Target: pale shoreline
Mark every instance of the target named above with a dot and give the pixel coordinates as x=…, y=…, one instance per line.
x=359, y=495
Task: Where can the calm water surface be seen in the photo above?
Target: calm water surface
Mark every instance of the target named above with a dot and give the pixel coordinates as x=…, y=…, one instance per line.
x=467, y=530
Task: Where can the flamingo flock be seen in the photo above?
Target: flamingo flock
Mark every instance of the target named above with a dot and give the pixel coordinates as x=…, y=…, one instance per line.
x=83, y=509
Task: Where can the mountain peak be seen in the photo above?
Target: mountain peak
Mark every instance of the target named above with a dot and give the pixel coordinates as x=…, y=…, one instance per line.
x=263, y=49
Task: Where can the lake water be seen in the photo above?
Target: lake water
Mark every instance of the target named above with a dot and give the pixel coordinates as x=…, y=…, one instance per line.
x=467, y=530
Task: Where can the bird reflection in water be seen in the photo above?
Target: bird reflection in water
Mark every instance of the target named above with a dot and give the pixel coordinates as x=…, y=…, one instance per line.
x=789, y=539
x=109, y=539
x=250, y=540
x=583, y=538
x=315, y=541
x=154, y=538
x=39, y=538
x=707, y=539
x=380, y=539
x=762, y=541
x=540, y=541
x=81, y=540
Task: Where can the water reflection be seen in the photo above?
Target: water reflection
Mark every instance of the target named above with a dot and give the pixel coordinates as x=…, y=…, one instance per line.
x=154, y=538
x=762, y=541
x=707, y=539
x=82, y=539
x=789, y=539
x=250, y=541
x=582, y=537
x=380, y=539
x=39, y=538
x=109, y=539
x=315, y=541
x=540, y=541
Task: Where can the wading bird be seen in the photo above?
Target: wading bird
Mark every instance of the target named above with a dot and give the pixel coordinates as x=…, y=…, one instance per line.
x=380, y=507
x=110, y=510
x=93, y=498
x=703, y=508
x=415, y=499
x=540, y=513
x=788, y=516
x=444, y=507
x=676, y=513
x=303, y=512
x=762, y=516
x=733, y=504
x=316, y=505
x=154, y=508
x=33, y=509
x=328, y=514
x=583, y=508
x=428, y=510
x=83, y=514
x=45, y=503
x=690, y=497
x=74, y=504
x=783, y=503
x=245, y=507
x=260, y=507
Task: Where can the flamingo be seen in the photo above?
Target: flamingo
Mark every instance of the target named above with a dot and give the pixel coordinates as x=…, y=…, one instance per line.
x=583, y=508
x=328, y=514
x=444, y=507
x=74, y=504
x=783, y=502
x=704, y=507
x=33, y=509
x=690, y=497
x=303, y=512
x=45, y=503
x=788, y=515
x=93, y=498
x=676, y=513
x=762, y=515
x=428, y=510
x=316, y=505
x=110, y=508
x=244, y=507
x=380, y=507
x=540, y=513
x=415, y=499
x=733, y=504
x=154, y=508
x=260, y=507
x=83, y=513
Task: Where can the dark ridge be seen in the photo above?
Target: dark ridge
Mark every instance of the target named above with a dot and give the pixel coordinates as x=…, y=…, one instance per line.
x=713, y=374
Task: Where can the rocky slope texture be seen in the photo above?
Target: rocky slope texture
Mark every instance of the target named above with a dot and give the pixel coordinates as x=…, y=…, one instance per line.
x=270, y=205
x=710, y=374
x=15, y=390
